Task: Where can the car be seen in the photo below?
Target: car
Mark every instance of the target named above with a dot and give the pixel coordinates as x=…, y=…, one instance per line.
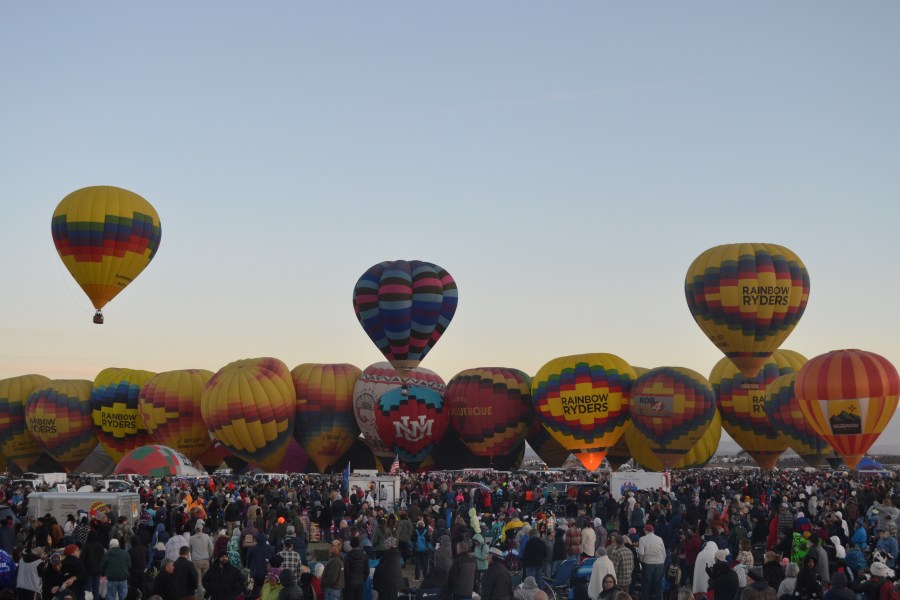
x=117, y=485
x=466, y=487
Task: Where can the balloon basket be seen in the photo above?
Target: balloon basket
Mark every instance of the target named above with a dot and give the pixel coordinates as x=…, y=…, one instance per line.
x=98, y=317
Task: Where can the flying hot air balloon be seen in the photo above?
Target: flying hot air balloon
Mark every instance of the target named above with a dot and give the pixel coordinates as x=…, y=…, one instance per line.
x=325, y=425
x=114, y=409
x=747, y=298
x=59, y=418
x=742, y=405
x=249, y=405
x=849, y=397
x=490, y=409
x=169, y=405
x=105, y=236
x=411, y=424
x=405, y=307
x=787, y=419
x=16, y=442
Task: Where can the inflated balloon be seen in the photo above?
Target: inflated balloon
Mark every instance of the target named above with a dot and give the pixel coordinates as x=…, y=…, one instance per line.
x=849, y=397
x=217, y=454
x=545, y=445
x=747, y=298
x=169, y=405
x=787, y=419
x=696, y=458
x=405, y=307
x=250, y=405
x=325, y=425
x=374, y=381
x=583, y=399
x=59, y=417
x=114, y=409
x=490, y=409
x=671, y=407
x=619, y=454
x=156, y=461
x=411, y=423
x=16, y=442
x=105, y=236
x=742, y=405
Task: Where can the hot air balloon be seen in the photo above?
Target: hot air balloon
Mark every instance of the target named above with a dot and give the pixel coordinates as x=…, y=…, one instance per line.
x=59, y=417
x=156, y=461
x=545, y=445
x=105, y=236
x=848, y=396
x=619, y=454
x=671, y=407
x=405, y=307
x=249, y=406
x=696, y=458
x=411, y=423
x=490, y=409
x=169, y=405
x=114, y=408
x=373, y=382
x=325, y=426
x=16, y=442
x=742, y=404
x=582, y=400
x=747, y=298
x=783, y=412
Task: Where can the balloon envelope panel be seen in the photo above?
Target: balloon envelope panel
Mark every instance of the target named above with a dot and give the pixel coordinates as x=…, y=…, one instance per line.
x=411, y=422
x=16, y=442
x=786, y=417
x=59, y=418
x=169, y=405
x=114, y=408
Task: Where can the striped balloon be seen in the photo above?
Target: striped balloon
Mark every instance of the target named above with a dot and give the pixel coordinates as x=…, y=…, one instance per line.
x=783, y=412
x=411, y=421
x=490, y=409
x=16, y=442
x=849, y=397
x=671, y=407
x=742, y=404
x=249, y=405
x=545, y=446
x=583, y=399
x=697, y=457
x=747, y=298
x=59, y=418
x=169, y=405
x=114, y=409
x=325, y=426
x=405, y=307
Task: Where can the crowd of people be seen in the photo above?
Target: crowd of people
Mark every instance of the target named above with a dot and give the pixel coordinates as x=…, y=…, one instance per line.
x=717, y=534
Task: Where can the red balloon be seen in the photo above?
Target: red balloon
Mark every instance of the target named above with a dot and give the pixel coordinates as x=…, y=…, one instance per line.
x=411, y=422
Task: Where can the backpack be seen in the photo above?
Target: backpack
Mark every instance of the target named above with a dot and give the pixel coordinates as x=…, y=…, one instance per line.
x=421, y=542
x=887, y=591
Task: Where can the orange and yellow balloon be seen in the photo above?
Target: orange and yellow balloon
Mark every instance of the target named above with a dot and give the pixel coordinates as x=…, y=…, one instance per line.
x=59, y=418
x=169, y=405
x=16, y=442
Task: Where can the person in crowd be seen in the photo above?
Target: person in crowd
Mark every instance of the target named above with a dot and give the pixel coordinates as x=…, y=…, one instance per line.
x=116, y=567
x=652, y=553
x=164, y=582
x=184, y=575
x=333, y=573
x=258, y=556
x=623, y=562
x=602, y=567
x=497, y=582
x=28, y=580
x=808, y=586
x=461, y=581
x=789, y=583
x=758, y=587
x=223, y=581
x=723, y=580
x=356, y=571
x=839, y=588
x=290, y=589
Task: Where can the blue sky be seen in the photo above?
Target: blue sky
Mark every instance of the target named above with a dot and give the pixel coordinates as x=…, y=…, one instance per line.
x=566, y=162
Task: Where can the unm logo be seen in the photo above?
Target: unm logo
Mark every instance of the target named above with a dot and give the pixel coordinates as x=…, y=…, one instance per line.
x=413, y=431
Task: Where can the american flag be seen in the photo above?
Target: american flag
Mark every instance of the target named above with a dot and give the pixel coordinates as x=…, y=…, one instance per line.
x=395, y=466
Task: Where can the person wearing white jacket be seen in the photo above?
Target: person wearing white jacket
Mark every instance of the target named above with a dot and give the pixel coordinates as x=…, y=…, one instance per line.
x=603, y=566
x=588, y=540
x=706, y=558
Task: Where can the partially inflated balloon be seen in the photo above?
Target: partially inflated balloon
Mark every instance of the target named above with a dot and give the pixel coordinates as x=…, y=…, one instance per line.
x=490, y=409
x=249, y=405
x=849, y=397
x=742, y=404
x=787, y=419
x=59, y=418
x=105, y=236
x=16, y=442
x=169, y=405
x=545, y=446
x=405, y=307
x=619, y=454
x=583, y=399
x=325, y=426
x=411, y=422
x=114, y=408
x=747, y=298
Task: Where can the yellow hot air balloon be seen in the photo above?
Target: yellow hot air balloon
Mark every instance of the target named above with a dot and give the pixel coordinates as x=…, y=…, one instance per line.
x=747, y=298
x=249, y=406
x=16, y=442
x=169, y=405
x=742, y=404
x=105, y=236
x=59, y=418
x=114, y=408
x=787, y=419
x=695, y=458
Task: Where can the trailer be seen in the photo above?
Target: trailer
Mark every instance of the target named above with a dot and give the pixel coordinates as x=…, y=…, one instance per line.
x=62, y=504
x=631, y=481
x=384, y=489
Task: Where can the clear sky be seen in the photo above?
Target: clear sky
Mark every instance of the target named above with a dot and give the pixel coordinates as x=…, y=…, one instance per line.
x=564, y=161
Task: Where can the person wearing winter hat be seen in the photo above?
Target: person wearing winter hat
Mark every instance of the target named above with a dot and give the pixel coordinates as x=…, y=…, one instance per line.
x=116, y=565
x=758, y=588
x=839, y=589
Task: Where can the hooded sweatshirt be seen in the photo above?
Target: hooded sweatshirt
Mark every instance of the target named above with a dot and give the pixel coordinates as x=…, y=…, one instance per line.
x=706, y=558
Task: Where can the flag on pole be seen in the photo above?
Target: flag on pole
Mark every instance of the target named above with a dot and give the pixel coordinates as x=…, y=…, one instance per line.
x=347, y=479
x=395, y=466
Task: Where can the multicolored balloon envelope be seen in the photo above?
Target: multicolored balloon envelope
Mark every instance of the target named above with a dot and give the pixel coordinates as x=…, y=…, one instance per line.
x=376, y=380
x=747, y=298
x=114, y=408
x=490, y=409
x=742, y=404
x=105, y=236
x=156, y=461
x=545, y=446
x=411, y=422
x=16, y=442
x=405, y=307
x=325, y=426
x=783, y=412
x=583, y=399
x=169, y=405
x=696, y=458
x=671, y=408
x=849, y=397
x=250, y=405
x=59, y=418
